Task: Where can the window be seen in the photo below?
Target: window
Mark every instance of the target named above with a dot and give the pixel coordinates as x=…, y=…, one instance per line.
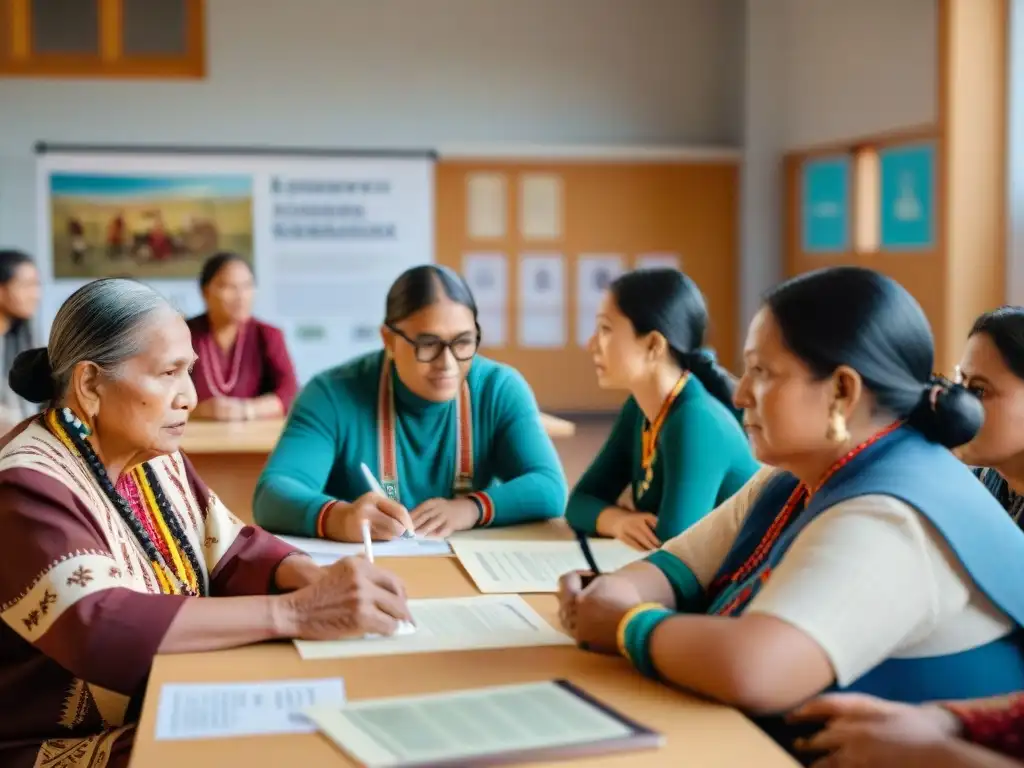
x=102, y=38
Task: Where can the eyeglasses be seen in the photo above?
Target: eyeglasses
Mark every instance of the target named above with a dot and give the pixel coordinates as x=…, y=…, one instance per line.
x=430, y=348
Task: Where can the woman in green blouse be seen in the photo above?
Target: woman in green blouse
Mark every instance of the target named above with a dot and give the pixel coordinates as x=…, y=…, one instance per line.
x=454, y=439
x=677, y=443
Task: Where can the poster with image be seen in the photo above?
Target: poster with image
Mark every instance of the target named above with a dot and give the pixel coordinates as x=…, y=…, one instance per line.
x=146, y=226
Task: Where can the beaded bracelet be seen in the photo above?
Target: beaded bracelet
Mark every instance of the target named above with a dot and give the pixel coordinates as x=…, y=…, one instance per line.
x=321, y=520
x=634, y=635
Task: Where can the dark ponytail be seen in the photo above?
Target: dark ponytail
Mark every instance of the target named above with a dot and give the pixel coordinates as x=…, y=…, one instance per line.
x=669, y=302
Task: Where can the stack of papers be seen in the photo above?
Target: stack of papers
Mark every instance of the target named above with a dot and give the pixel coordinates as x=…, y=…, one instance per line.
x=453, y=624
x=535, y=566
x=326, y=552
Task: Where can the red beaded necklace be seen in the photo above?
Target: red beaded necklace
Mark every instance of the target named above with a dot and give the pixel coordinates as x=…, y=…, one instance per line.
x=219, y=384
x=800, y=494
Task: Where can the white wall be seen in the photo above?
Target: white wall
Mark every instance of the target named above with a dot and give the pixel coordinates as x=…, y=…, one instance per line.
x=1015, y=158
x=859, y=67
x=818, y=72
x=764, y=137
x=337, y=73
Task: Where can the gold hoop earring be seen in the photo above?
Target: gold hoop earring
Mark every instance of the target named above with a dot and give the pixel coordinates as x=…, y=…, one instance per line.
x=837, y=431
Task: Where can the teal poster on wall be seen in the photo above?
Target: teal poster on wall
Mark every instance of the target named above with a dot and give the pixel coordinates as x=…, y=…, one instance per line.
x=907, y=197
x=826, y=205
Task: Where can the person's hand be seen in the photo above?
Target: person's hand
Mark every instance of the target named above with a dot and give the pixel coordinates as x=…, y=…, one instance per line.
x=570, y=586
x=388, y=519
x=442, y=517
x=296, y=571
x=633, y=528
x=865, y=730
x=354, y=598
x=599, y=609
x=221, y=409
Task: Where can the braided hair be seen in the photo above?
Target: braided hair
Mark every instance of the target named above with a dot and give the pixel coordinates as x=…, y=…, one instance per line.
x=125, y=511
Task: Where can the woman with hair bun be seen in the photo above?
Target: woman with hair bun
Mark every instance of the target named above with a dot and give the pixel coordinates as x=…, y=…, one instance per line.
x=115, y=550
x=677, y=444
x=868, y=559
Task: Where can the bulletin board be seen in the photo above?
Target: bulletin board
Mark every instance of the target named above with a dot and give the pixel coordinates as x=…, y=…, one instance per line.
x=913, y=259
x=630, y=213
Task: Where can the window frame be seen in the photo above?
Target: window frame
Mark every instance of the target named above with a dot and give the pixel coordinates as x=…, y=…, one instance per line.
x=17, y=59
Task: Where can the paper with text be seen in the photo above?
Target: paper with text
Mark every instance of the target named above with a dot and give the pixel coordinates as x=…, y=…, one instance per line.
x=223, y=710
x=451, y=624
x=326, y=552
x=432, y=729
x=534, y=566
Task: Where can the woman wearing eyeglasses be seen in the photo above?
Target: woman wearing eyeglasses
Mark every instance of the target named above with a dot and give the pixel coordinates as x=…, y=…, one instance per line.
x=455, y=440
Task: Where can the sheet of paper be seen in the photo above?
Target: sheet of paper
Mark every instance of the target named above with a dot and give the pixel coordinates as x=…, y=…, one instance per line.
x=326, y=552
x=421, y=730
x=594, y=273
x=534, y=566
x=493, y=327
x=542, y=328
x=222, y=710
x=486, y=205
x=541, y=280
x=541, y=321
x=658, y=260
x=487, y=276
x=452, y=624
x=540, y=206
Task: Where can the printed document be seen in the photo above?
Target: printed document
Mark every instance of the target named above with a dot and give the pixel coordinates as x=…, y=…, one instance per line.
x=451, y=624
x=442, y=728
x=222, y=710
x=326, y=552
x=535, y=566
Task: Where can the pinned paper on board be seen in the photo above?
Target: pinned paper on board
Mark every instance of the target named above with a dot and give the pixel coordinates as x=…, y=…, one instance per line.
x=541, y=280
x=493, y=331
x=907, y=199
x=659, y=261
x=487, y=277
x=594, y=273
x=486, y=206
x=542, y=301
x=540, y=206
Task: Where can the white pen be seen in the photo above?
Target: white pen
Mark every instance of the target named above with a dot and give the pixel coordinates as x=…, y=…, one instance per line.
x=367, y=541
x=376, y=488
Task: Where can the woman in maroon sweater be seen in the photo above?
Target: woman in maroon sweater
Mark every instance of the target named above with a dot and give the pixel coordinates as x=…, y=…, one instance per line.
x=244, y=371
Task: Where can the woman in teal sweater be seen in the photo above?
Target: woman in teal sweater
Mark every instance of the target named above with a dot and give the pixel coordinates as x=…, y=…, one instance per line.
x=677, y=442
x=454, y=439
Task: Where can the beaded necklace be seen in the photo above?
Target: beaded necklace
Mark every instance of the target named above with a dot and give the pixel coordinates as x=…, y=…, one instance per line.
x=797, y=499
x=218, y=384
x=651, y=431
x=156, y=527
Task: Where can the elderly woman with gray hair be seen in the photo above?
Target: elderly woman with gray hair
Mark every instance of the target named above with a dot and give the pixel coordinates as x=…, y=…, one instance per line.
x=115, y=550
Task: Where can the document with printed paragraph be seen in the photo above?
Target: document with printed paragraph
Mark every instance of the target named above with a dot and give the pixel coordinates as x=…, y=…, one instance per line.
x=499, y=725
x=223, y=710
x=450, y=624
x=326, y=552
x=534, y=566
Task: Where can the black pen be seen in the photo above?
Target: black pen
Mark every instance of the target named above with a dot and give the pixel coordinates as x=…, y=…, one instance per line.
x=589, y=557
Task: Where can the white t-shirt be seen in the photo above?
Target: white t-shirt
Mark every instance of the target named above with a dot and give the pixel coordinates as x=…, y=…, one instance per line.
x=869, y=579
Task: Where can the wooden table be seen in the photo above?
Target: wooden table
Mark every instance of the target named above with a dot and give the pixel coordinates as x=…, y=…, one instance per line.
x=697, y=733
x=230, y=456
